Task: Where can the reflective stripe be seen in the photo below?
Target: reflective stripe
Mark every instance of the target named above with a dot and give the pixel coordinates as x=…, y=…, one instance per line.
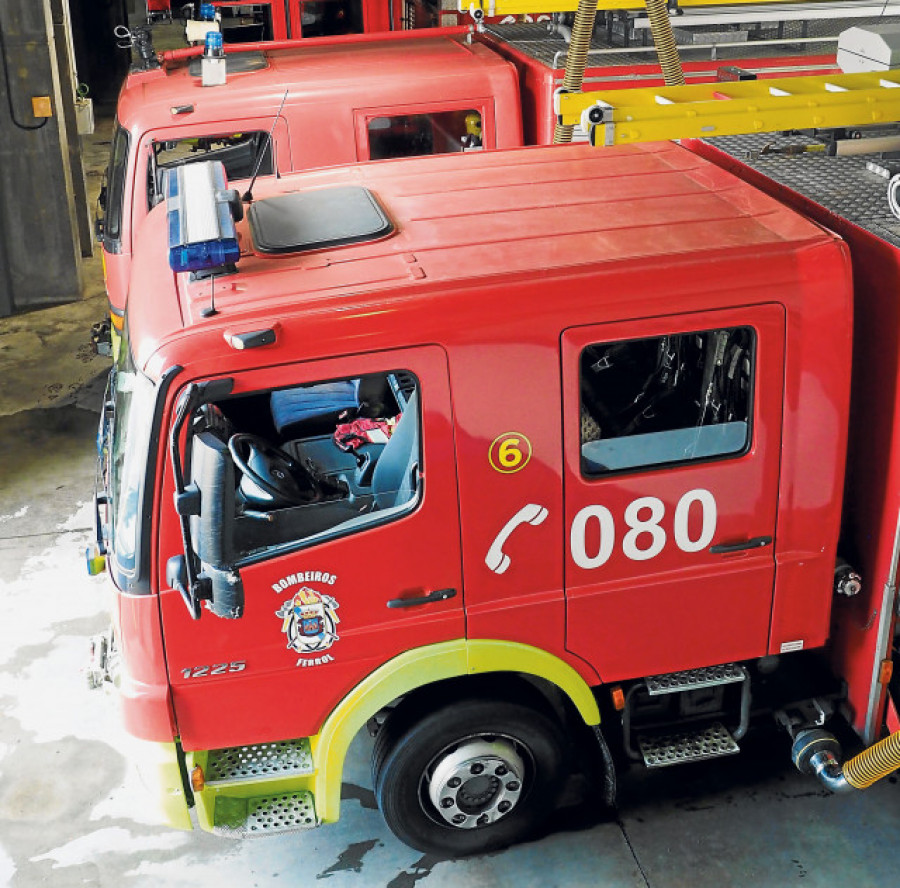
x=421, y=667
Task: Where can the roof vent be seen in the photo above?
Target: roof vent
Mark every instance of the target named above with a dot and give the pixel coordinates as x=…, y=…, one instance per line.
x=317, y=220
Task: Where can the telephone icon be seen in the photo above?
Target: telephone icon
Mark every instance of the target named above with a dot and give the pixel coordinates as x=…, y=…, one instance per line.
x=496, y=559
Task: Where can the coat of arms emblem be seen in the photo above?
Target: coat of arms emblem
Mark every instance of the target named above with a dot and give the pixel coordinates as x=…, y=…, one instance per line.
x=309, y=621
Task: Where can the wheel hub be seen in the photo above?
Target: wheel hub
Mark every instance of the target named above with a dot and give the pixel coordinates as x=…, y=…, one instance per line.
x=476, y=783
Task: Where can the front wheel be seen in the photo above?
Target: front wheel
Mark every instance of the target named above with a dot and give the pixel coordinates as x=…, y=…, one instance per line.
x=470, y=777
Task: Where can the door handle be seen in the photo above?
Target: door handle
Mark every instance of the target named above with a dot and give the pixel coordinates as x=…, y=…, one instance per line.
x=755, y=543
x=437, y=595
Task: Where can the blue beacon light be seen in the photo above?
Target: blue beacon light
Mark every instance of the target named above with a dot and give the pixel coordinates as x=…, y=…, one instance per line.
x=202, y=233
x=214, y=44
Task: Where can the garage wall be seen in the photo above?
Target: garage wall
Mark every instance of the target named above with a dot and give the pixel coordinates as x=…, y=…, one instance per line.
x=39, y=225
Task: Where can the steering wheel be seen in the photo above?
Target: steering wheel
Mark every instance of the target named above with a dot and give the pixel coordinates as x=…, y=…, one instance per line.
x=274, y=472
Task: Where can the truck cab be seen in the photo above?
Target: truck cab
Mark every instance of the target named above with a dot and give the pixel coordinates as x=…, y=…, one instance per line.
x=313, y=104
x=507, y=457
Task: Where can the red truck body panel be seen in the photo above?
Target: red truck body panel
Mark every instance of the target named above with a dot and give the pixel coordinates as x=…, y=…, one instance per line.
x=872, y=492
x=143, y=687
x=498, y=271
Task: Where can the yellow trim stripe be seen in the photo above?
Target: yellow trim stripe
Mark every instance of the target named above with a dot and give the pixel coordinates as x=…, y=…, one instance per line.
x=418, y=668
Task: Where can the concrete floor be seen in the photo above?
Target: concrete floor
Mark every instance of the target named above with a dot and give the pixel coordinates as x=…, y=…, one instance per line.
x=71, y=803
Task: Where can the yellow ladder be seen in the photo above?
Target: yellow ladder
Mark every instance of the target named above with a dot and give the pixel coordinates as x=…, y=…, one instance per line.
x=521, y=7
x=620, y=117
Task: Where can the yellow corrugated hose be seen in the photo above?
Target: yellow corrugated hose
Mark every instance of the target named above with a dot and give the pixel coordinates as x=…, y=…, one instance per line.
x=874, y=763
x=664, y=41
x=576, y=60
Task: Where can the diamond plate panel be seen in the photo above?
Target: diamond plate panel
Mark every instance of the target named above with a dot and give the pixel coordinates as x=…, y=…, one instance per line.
x=533, y=40
x=238, y=764
x=842, y=185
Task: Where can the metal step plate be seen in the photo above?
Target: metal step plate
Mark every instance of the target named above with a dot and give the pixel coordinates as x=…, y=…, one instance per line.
x=240, y=764
x=281, y=813
x=266, y=815
x=707, y=677
x=659, y=751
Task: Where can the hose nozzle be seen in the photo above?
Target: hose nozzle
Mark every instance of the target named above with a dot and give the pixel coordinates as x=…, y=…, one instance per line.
x=817, y=752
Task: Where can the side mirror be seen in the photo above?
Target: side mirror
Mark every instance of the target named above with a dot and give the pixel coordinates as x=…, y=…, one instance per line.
x=212, y=528
x=212, y=524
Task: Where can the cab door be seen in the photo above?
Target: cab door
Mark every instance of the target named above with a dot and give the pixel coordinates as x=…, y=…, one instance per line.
x=334, y=589
x=672, y=437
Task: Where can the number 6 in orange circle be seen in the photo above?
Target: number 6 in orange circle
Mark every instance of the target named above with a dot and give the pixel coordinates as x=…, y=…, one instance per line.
x=509, y=452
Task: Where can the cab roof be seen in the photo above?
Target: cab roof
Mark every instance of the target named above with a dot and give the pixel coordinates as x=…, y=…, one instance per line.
x=422, y=67
x=488, y=235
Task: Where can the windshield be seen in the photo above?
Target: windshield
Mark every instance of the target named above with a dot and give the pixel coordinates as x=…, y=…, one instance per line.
x=133, y=397
x=241, y=153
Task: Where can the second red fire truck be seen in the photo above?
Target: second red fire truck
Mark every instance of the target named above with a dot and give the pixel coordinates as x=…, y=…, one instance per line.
x=374, y=96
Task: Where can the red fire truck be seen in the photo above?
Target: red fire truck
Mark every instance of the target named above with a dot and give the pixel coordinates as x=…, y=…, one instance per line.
x=375, y=96
x=424, y=93
x=292, y=19
x=530, y=461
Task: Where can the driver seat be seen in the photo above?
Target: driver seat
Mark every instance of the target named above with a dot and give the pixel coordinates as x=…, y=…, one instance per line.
x=395, y=478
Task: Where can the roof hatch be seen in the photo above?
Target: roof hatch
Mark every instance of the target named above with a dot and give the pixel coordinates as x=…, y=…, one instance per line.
x=317, y=220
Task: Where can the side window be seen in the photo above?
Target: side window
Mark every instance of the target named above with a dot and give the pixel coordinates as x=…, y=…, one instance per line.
x=246, y=23
x=408, y=135
x=325, y=18
x=239, y=152
x=666, y=399
x=312, y=461
x=115, y=189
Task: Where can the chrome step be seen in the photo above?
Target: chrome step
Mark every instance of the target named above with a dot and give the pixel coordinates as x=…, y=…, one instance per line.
x=691, y=679
x=240, y=764
x=264, y=815
x=662, y=750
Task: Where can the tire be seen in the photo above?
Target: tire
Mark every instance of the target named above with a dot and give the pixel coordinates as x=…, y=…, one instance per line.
x=469, y=777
